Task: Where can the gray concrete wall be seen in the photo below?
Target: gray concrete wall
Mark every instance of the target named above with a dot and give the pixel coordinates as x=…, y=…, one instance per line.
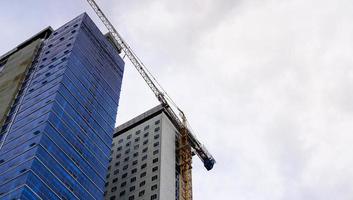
x=167, y=172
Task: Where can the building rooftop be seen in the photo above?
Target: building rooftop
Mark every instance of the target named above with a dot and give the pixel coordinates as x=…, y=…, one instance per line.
x=43, y=34
x=138, y=120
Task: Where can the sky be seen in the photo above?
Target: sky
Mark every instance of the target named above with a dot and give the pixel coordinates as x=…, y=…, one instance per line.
x=267, y=85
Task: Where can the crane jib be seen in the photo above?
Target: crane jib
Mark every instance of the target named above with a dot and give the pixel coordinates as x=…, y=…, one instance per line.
x=159, y=92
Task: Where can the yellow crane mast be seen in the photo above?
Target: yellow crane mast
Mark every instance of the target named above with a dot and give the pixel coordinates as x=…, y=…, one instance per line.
x=185, y=157
x=187, y=141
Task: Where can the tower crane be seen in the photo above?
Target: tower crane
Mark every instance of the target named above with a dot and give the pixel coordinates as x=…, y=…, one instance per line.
x=188, y=143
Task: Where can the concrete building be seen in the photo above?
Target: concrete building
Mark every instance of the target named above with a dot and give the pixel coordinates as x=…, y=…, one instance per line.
x=143, y=162
x=59, y=95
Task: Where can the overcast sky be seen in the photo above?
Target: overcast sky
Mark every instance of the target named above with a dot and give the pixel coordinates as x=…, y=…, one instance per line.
x=267, y=85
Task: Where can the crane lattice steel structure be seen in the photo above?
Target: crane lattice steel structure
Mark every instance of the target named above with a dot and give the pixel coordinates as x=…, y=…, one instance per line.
x=187, y=141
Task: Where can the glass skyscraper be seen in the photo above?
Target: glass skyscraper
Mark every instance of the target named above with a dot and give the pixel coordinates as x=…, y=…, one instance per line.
x=56, y=138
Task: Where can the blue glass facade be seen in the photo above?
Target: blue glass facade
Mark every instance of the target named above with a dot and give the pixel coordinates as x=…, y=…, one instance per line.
x=58, y=144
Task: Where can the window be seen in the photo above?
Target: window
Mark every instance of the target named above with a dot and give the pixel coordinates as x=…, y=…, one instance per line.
x=112, y=198
x=157, y=122
x=127, y=151
x=154, y=169
x=129, y=136
x=120, y=141
x=153, y=197
x=131, y=197
x=134, y=162
x=155, y=152
x=143, y=174
x=156, y=136
x=145, y=150
x=124, y=175
x=144, y=157
x=114, y=189
x=145, y=142
x=119, y=148
x=116, y=172
x=132, y=188
x=156, y=144
x=138, y=132
x=67, y=51
x=145, y=135
x=117, y=164
x=146, y=127
x=156, y=129
x=141, y=193
x=133, y=171
x=142, y=183
x=136, y=154
x=36, y=132
x=123, y=184
x=136, y=147
x=115, y=180
x=126, y=159
x=125, y=167
x=143, y=166
x=155, y=160
x=137, y=139
x=128, y=144
x=154, y=178
x=154, y=187
x=133, y=179
x=122, y=193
